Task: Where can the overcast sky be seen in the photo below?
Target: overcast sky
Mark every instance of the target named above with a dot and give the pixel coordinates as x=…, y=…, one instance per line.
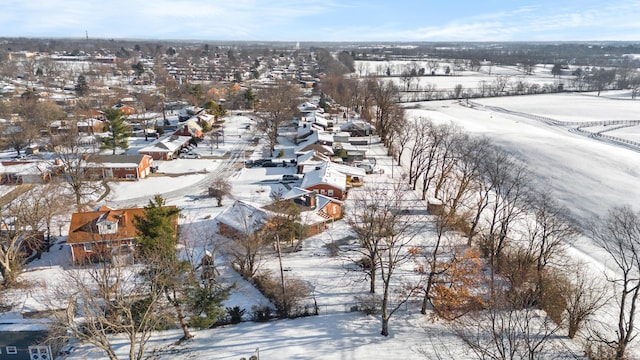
x=325, y=20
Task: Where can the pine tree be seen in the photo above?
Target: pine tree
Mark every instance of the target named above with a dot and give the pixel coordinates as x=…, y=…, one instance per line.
x=118, y=131
x=82, y=88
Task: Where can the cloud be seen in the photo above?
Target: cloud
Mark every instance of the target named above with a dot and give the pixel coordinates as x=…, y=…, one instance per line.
x=540, y=23
x=320, y=20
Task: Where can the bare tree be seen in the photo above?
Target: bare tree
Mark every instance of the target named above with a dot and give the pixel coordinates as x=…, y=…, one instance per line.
x=389, y=231
x=585, y=295
x=549, y=233
x=619, y=235
x=401, y=140
x=73, y=154
x=510, y=186
x=247, y=245
x=277, y=105
x=366, y=220
x=105, y=300
x=385, y=96
x=507, y=333
x=22, y=224
x=219, y=188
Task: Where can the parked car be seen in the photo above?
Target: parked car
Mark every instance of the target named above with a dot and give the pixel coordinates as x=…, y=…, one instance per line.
x=290, y=177
x=269, y=164
x=189, y=156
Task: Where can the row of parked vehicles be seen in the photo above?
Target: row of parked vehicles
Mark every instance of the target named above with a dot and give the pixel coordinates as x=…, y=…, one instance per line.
x=269, y=163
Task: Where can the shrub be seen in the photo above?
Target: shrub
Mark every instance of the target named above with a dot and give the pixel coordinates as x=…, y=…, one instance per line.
x=369, y=303
x=235, y=314
x=271, y=287
x=333, y=248
x=260, y=313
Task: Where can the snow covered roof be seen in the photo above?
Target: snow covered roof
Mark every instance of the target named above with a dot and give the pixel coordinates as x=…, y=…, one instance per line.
x=315, y=137
x=356, y=124
x=169, y=143
x=27, y=168
x=117, y=161
x=325, y=174
x=347, y=170
x=244, y=216
x=311, y=157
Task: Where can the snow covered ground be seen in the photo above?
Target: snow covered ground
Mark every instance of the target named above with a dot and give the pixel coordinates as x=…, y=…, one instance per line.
x=587, y=176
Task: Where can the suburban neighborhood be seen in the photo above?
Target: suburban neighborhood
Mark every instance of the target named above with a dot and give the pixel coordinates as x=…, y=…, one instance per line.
x=238, y=200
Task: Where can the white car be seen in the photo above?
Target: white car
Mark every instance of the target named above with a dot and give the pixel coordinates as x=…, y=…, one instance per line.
x=189, y=156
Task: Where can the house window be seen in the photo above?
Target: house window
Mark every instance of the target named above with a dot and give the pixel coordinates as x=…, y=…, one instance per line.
x=322, y=191
x=130, y=176
x=12, y=350
x=88, y=247
x=330, y=192
x=334, y=210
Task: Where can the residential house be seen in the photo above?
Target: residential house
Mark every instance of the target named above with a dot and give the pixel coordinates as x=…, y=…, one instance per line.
x=315, y=210
x=354, y=175
x=26, y=172
x=326, y=181
x=27, y=339
x=310, y=159
x=190, y=128
x=166, y=148
x=131, y=167
x=96, y=235
x=189, y=112
x=307, y=107
x=60, y=127
x=353, y=152
x=358, y=128
x=320, y=141
x=125, y=109
x=242, y=219
x=90, y=126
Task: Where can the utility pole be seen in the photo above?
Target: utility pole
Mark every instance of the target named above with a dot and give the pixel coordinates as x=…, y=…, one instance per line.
x=284, y=296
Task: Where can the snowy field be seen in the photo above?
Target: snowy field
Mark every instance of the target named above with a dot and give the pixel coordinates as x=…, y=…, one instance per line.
x=541, y=75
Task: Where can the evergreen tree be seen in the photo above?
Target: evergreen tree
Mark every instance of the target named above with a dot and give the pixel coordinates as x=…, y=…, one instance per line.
x=157, y=230
x=156, y=247
x=118, y=131
x=82, y=88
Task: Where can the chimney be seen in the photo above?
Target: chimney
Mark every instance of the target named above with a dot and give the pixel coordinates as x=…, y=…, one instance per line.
x=311, y=199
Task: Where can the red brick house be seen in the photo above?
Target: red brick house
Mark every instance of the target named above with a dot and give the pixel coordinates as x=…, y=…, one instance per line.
x=133, y=167
x=327, y=181
x=315, y=210
x=94, y=235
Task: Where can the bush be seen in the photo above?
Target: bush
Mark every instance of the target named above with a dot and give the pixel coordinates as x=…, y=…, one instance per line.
x=235, y=314
x=333, y=248
x=260, y=313
x=552, y=299
x=271, y=287
x=369, y=304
